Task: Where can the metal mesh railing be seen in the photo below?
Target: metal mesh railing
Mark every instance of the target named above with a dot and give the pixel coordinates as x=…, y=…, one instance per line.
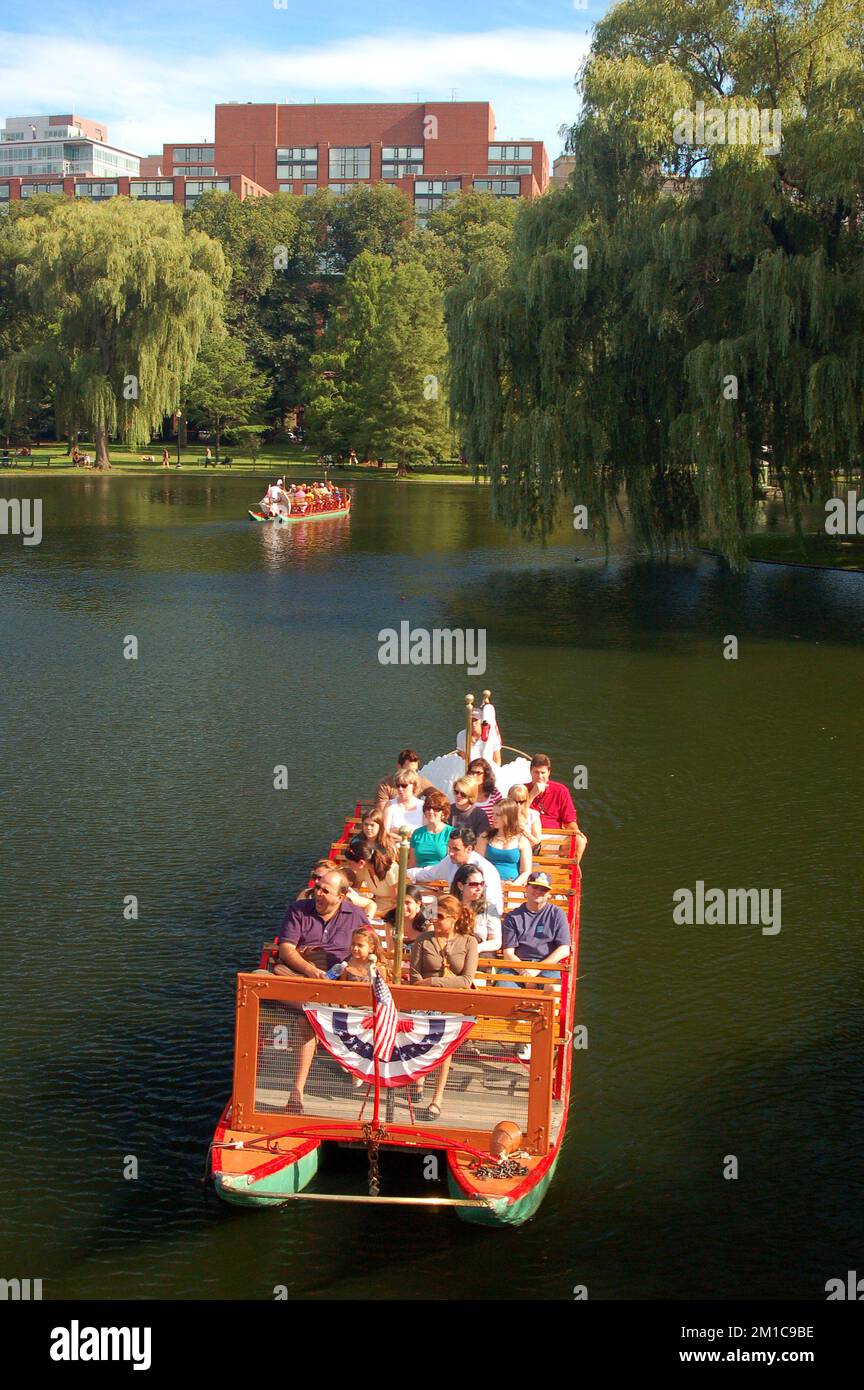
x=487, y=1081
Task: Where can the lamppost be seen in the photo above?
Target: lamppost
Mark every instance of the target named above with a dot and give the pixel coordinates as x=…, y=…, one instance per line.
x=179, y=424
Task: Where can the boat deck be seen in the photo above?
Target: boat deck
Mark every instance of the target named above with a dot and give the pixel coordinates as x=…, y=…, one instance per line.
x=487, y=1083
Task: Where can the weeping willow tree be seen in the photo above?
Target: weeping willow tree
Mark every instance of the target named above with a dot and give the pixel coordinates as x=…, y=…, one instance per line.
x=128, y=295
x=691, y=305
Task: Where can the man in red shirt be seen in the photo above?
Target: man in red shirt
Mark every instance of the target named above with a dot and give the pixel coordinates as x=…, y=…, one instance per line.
x=553, y=802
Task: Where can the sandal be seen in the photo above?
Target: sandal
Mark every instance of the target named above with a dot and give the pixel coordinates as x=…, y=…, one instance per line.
x=432, y=1111
x=295, y=1105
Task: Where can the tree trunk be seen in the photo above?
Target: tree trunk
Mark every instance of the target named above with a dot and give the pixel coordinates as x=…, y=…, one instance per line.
x=218, y=437
x=102, y=460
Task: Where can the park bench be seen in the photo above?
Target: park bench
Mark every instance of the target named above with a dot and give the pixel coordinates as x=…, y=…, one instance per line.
x=14, y=461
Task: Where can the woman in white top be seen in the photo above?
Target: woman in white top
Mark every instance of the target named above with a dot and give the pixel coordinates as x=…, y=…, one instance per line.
x=529, y=819
x=405, y=808
x=469, y=886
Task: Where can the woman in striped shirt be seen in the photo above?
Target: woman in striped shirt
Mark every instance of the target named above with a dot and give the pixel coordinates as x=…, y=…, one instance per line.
x=488, y=794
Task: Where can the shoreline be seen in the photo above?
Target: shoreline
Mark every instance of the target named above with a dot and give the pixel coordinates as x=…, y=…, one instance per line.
x=247, y=470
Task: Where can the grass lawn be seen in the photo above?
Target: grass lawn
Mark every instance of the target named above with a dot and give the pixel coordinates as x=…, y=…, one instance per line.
x=835, y=552
x=273, y=459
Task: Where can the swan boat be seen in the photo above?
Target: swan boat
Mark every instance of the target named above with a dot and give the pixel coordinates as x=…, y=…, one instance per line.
x=498, y=1139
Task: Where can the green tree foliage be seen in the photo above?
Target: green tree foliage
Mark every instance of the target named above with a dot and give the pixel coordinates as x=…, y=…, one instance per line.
x=710, y=323
x=470, y=229
x=129, y=296
x=378, y=382
x=20, y=328
x=369, y=217
x=274, y=300
x=224, y=388
x=288, y=257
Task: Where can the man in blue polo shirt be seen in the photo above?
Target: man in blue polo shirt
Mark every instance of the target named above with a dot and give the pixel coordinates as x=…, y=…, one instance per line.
x=537, y=930
x=315, y=934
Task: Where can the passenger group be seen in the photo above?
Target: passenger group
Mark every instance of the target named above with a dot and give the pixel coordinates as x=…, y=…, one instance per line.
x=301, y=498
x=474, y=845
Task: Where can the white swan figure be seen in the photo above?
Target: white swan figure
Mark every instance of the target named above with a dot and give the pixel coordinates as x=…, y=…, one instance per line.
x=442, y=773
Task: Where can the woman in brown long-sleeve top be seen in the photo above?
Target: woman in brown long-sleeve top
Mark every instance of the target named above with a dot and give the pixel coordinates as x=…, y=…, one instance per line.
x=445, y=956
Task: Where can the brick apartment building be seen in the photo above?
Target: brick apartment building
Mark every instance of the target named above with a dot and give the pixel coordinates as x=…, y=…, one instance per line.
x=428, y=149
x=431, y=150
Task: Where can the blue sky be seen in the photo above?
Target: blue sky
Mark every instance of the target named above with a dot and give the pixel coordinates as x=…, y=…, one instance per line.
x=154, y=71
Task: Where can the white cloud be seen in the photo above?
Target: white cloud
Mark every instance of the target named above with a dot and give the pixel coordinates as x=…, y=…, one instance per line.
x=149, y=97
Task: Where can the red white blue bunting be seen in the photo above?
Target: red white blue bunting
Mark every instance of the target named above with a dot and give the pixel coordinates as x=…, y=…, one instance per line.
x=422, y=1042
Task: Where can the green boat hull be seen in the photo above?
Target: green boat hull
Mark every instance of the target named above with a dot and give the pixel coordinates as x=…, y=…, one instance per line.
x=300, y=516
x=310, y=516
x=500, y=1211
x=242, y=1192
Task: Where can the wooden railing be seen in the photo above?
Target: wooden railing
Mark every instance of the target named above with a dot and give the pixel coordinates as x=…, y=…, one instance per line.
x=521, y=1013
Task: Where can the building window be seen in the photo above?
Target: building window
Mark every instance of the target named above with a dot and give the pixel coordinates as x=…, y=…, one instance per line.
x=430, y=194
x=502, y=188
x=152, y=188
x=510, y=152
x=29, y=190
x=4, y=191
x=350, y=162
x=194, y=169
x=297, y=162
x=509, y=169
x=93, y=189
x=195, y=187
x=309, y=190
x=193, y=154
x=398, y=161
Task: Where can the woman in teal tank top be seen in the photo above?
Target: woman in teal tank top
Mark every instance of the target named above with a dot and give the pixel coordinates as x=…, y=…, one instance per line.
x=429, y=843
x=504, y=845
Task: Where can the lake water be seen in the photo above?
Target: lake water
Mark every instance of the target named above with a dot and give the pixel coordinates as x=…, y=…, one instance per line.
x=155, y=778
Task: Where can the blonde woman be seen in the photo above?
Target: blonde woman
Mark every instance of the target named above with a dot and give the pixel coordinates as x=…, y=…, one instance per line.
x=506, y=845
x=464, y=812
x=406, y=808
x=529, y=819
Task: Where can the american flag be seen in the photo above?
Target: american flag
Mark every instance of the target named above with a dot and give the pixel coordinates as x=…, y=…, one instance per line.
x=385, y=1021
